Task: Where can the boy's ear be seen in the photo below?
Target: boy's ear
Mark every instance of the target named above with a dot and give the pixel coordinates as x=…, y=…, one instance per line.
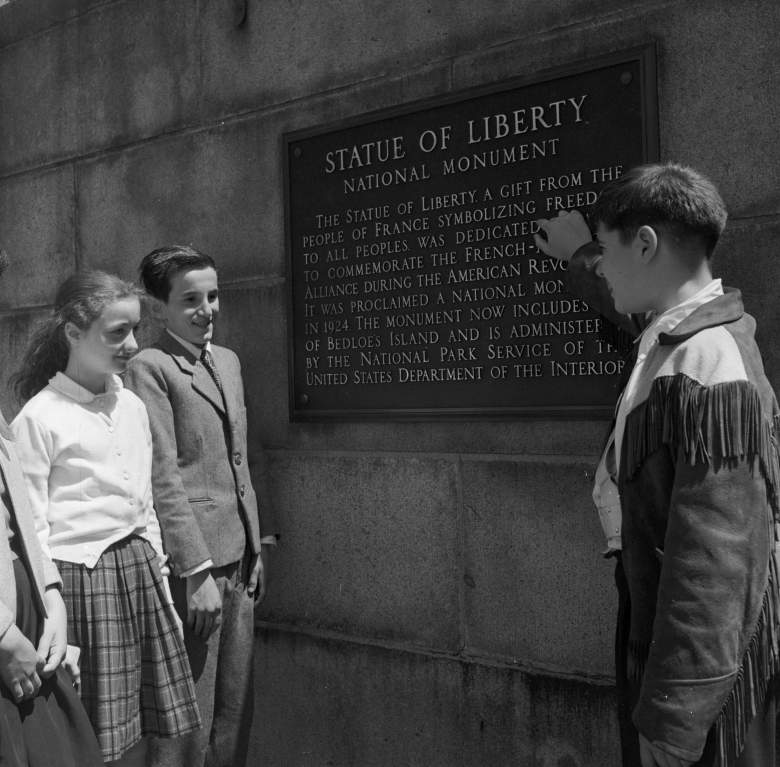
x=646, y=240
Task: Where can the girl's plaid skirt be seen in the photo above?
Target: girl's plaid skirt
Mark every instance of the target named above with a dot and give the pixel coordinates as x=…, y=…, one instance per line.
x=135, y=676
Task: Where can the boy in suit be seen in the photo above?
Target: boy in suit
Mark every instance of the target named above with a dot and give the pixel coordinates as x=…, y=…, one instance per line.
x=204, y=499
x=693, y=455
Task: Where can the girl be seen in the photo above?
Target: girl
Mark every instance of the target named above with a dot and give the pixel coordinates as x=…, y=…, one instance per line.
x=85, y=446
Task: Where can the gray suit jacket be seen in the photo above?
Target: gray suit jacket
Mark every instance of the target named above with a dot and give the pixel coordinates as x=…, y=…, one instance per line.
x=42, y=571
x=202, y=488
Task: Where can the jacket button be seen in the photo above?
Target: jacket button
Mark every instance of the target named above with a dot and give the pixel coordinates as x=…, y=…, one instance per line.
x=237, y=459
x=242, y=490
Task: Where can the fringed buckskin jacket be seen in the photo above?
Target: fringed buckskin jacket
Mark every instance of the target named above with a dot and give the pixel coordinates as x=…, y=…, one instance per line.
x=698, y=480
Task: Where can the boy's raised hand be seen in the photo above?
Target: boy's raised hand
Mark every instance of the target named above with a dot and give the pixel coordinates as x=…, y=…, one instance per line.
x=20, y=664
x=566, y=233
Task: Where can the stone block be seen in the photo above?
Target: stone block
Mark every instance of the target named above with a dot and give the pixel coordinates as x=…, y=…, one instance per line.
x=21, y=20
x=37, y=231
x=719, y=103
x=573, y=724
x=369, y=546
x=121, y=73
x=747, y=258
x=538, y=590
x=210, y=190
x=16, y=330
x=338, y=44
x=324, y=701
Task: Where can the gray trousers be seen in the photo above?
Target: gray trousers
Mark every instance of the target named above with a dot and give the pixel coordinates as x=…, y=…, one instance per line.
x=222, y=668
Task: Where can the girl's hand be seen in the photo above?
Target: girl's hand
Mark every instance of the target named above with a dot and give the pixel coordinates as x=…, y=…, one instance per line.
x=54, y=639
x=20, y=664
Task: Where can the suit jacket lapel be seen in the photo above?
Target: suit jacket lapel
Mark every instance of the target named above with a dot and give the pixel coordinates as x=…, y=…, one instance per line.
x=202, y=381
x=229, y=382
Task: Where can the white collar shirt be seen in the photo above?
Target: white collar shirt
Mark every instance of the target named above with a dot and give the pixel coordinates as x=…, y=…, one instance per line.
x=87, y=460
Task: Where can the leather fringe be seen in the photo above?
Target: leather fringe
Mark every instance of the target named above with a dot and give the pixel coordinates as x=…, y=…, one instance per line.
x=715, y=425
x=760, y=666
x=710, y=424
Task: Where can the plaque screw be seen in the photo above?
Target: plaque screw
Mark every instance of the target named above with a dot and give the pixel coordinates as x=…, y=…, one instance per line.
x=304, y=399
x=297, y=152
x=626, y=78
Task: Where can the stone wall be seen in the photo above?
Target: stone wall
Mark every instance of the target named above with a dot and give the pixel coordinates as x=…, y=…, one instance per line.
x=437, y=598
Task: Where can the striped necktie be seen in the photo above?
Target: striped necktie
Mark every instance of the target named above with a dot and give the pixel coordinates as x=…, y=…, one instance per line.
x=208, y=362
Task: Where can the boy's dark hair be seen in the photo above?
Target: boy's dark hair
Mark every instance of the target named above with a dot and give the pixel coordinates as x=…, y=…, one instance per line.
x=159, y=267
x=670, y=197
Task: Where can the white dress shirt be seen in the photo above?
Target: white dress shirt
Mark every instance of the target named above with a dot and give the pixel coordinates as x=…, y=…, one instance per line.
x=87, y=460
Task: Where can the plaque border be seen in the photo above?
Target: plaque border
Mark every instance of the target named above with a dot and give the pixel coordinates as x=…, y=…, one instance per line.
x=647, y=57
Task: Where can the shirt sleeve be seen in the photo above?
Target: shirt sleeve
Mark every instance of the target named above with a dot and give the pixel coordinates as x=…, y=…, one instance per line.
x=33, y=447
x=152, y=524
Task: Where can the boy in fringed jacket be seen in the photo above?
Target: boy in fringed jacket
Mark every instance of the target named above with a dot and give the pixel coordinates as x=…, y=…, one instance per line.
x=694, y=457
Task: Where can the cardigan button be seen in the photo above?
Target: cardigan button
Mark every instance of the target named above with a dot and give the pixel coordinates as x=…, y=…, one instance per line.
x=242, y=490
x=237, y=459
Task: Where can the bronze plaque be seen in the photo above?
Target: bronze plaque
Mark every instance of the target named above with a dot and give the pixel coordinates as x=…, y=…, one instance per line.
x=415, y=286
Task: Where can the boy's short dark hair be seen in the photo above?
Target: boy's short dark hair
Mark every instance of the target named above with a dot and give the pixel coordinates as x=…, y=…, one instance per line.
x=159, y=267
x=669, y=197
